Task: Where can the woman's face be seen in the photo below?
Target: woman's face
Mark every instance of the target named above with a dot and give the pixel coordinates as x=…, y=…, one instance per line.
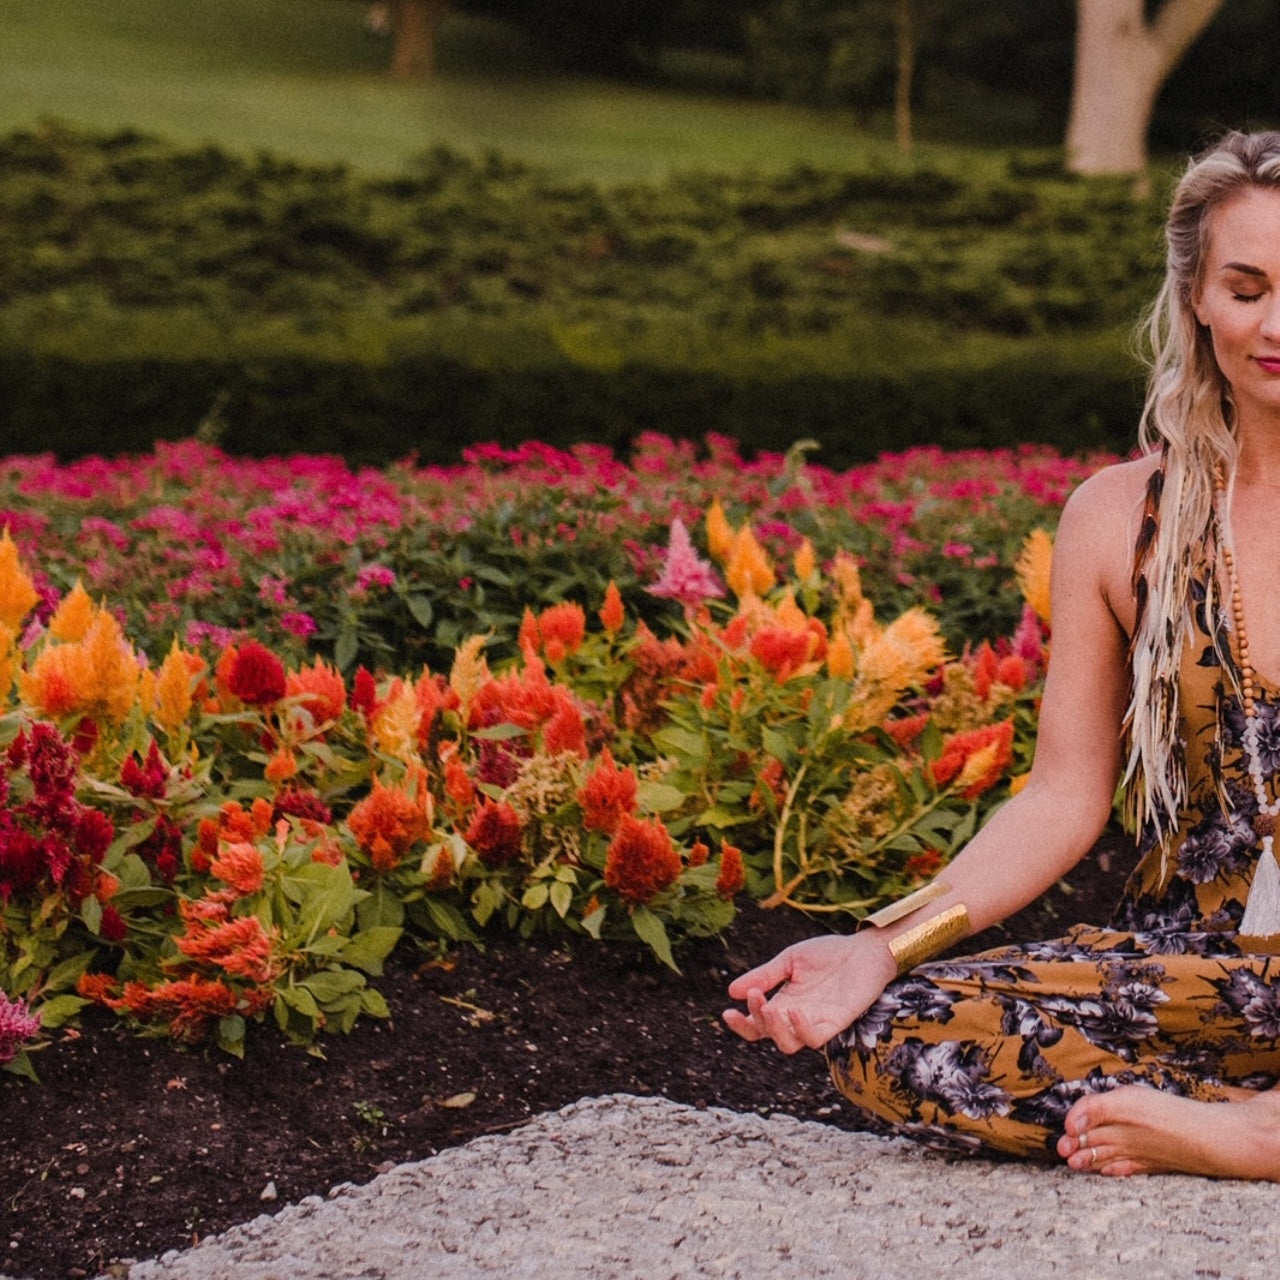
x=1239, y=300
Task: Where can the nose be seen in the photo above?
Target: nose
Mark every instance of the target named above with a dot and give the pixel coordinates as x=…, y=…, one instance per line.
x=1270, y=328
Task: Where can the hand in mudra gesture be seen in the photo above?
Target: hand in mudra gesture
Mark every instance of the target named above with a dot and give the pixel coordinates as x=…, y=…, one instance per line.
x=819, y=987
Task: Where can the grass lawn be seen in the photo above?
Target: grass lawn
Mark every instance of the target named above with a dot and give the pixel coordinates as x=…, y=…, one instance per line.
x=302, y=78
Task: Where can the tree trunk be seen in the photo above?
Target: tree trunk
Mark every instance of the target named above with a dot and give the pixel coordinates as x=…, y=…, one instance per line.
x=905, y=31
x=1121, y=62
x=413, y=56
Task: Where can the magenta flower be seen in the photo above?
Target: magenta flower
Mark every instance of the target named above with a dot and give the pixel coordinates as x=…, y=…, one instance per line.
x=16, y=1025
x=685, y=575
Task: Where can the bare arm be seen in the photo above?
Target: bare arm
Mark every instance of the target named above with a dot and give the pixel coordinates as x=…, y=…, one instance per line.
x=825, y=983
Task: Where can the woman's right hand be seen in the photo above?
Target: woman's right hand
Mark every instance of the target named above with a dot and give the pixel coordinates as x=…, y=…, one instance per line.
x=819, y=987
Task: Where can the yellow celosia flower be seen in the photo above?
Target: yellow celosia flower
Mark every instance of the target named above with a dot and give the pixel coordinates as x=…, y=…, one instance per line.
x=719, y=532
x=840, y=661
x=18, y=594
x=917, y=632
x=977, y=766
x=96, y=677
x=1017, y=782
x=1032, y=567
x=394, y=727
x=172, y=701
x=469, y=672
x=804, y=562
x=844, y=569
x=8, y=660
x=73, y=616
x=748, y=571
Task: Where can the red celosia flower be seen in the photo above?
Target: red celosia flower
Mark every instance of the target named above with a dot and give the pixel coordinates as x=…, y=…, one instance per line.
x=565, y=731
x=780, y=650
x=699, y=854
x=494, y=833
x=1012, y=671
x=293, y=802
x=149, y=780
x=563, y=627
x=984, y=668
x=240, y=947
x=240, y=865
x=961, y=749
x=732, y=877
x=528, y=638
x=113, y=927
x=923, y=865
x=607, y=795
x=906, y=730
x=364, y=692
x=256, y=676
x=388, y=822
x=642, y=861
x=94, y=834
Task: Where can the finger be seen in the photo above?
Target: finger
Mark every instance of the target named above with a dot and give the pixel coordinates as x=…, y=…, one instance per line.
x=810, y=1034
x=740, y=1024
x=765, y=976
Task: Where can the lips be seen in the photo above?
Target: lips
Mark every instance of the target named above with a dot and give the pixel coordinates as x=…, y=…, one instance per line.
x=1268, y=364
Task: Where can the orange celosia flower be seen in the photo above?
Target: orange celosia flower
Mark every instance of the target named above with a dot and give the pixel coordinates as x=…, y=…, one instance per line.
x=191, y=1003
x=458, y=785
x=748, y=571
x=97, y=987
x=984, y=670
x=563, y=628
x=1033, y=567
x=261, y=814
x=975, y=759
x=240, y=865
x=434, y=697
x=73, y=615
x=905, y=730
x=321, y=691
x=241, y=947
x=641, y=861
x=612, y=614
x=719, y=532
x=8, y=660
x=95, y=677
x=529, y=637
x=282, y=766
x=804, y=561
x=699, y=854
x=389, y=821
x=607, y=795
x=840, y=659
x=732, y=876
x=525, y=698
x=18, y=595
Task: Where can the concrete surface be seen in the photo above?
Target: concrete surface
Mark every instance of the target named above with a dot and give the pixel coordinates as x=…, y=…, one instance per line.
x=622, y=1186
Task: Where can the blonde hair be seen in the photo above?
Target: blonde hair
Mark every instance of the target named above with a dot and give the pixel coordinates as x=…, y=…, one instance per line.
x=1189, y=417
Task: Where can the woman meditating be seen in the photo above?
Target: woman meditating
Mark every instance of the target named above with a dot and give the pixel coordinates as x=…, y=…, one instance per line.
x=1152, y=1045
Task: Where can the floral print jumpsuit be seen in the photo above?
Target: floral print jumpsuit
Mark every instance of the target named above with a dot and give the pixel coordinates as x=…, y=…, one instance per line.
x=989, y=1052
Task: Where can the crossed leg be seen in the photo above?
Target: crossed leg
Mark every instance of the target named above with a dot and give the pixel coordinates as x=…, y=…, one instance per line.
x=1136, y=1129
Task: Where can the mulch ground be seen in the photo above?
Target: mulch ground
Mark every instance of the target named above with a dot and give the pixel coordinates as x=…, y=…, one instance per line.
x=129, y=1147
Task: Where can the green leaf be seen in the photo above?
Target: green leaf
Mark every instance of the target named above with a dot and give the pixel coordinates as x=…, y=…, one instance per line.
x=370, y=947
x=778, y=745
x=535, y=896
x=421, y=610
x=594, y=922
x=681, y=742
x=332, y=984
x=230, y=1034
x=561, y=898
x=302, y=1000
x=720, y=818
x=374, y=1003
x=651, y=931
x=445, y=920
x=346, y=647
x=382, y=909
x=56, y=1011
x=659, y=797
x=91, y=915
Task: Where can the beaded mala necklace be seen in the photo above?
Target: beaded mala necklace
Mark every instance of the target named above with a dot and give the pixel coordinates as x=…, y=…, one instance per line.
x=1262, y=910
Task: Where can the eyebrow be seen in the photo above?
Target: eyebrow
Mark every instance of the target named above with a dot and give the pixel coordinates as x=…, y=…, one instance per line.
x=1244, y=269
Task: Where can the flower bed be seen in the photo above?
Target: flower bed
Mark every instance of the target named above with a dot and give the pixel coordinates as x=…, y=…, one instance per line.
x=206, y=821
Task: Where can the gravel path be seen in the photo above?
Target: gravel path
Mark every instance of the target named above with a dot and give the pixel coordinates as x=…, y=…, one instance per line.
x=622, y=1186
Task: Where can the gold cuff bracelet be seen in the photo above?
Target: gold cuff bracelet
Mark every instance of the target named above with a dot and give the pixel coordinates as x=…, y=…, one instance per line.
x=917, y=945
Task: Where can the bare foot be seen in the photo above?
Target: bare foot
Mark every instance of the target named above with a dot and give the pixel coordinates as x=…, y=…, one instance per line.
x=1136, y=1129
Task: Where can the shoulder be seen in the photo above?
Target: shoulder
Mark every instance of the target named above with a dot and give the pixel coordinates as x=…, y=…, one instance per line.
x=1099, y=530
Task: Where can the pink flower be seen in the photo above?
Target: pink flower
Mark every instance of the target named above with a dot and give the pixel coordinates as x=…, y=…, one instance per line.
x=685, y=575
x=301, y=625
x=16, y=1025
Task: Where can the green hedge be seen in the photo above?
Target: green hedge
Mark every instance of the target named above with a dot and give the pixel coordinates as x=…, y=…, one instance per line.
x=1075, y=395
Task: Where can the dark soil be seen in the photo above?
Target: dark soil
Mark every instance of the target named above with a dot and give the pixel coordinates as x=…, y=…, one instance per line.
x=129, y=1147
